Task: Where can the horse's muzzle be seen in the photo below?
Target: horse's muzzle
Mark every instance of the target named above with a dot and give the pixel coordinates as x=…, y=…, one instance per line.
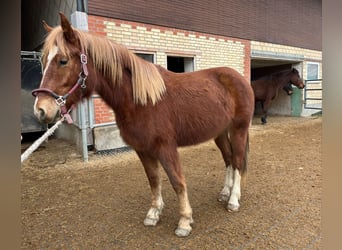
x=44, y=118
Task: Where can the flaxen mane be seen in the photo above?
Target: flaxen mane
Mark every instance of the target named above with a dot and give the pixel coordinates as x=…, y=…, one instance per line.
x=111, y=59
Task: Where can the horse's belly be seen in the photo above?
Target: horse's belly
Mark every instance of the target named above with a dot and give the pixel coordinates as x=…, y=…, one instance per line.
x=201, y=131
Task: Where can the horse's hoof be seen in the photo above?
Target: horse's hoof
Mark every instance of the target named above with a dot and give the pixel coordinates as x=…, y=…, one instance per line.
x=150, y=222
x=263, y=121
x=232, y=207
x=182, y=232
x=223, y=197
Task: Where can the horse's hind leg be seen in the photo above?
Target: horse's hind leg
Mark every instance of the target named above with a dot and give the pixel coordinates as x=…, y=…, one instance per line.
x=223, y=143
x=152, y=171
x=239, y=142
x=265, y=106
x=169, y=159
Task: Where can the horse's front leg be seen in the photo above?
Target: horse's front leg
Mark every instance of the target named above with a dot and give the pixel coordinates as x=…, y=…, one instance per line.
x=152, y=171
x=169, y=159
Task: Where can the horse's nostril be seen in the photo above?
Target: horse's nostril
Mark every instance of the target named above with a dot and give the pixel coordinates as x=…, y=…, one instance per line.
x=42, y=114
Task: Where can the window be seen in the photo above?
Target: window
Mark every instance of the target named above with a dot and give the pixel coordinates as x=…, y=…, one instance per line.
x=180, y=64
x=312, y=70
x=146, y=56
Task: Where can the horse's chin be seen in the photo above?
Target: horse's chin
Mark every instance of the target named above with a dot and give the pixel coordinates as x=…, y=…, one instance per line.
x=55, y=118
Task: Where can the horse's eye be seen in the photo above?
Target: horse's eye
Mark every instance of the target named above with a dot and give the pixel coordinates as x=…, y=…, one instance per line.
x=63, y=62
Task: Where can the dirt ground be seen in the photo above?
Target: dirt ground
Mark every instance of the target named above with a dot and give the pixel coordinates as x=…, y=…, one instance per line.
x=101, y=204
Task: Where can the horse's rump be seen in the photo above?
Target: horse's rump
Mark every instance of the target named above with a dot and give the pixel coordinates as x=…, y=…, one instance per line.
x=202, y=104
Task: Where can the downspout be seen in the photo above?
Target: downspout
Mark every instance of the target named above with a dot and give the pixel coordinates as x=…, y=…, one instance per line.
x=80, y=20
x=81, y=5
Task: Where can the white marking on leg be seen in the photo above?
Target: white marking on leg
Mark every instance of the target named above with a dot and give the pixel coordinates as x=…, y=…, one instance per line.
x=228, y=184
x=153, y=214
x=184, y=228
x=233, y=204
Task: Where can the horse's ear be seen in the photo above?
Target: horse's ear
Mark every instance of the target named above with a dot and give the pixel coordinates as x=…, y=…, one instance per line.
x=47, y=27
x=67, y=29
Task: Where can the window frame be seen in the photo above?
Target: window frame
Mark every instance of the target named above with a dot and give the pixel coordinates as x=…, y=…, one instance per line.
x=307, y=71
x=138, y=53
x=187, y=59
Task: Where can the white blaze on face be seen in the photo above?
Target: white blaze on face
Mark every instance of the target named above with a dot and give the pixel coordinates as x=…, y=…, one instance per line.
x=50, y=57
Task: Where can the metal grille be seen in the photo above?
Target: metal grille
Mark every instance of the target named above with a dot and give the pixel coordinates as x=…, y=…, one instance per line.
x=313, y=94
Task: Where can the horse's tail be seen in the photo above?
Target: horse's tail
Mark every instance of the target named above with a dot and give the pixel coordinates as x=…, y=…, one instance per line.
x=245, y=160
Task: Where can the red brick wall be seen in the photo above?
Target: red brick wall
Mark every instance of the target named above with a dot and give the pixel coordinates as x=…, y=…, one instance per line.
x=247, y=60
x=102, y=112
x=95, y=25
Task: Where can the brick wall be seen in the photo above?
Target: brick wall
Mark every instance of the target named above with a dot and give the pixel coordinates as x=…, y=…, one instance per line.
x=102, y=112
x=207, y=50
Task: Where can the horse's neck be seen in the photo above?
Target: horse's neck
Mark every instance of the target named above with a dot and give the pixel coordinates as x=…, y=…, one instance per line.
x=115, y=95
x=281, y=79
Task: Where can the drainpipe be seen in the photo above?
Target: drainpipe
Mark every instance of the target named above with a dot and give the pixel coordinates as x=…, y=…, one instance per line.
x=79, y=19
x=82, y=6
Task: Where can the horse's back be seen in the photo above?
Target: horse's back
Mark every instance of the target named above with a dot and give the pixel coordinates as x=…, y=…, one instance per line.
x=224, y=78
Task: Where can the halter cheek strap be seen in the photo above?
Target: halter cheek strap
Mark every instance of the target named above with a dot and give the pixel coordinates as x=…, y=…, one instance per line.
x=61, y=99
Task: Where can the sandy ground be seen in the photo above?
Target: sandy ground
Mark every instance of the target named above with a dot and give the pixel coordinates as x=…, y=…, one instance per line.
x=101, y=204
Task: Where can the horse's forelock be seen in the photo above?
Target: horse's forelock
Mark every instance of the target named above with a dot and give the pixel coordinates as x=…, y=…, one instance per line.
x=56, y=38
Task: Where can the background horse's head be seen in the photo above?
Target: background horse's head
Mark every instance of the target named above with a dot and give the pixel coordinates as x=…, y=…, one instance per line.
x=64, y=72
x=295, y=79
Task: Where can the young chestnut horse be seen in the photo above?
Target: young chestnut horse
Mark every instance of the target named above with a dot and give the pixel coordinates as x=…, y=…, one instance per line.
x=156, y=110
x=267, y=88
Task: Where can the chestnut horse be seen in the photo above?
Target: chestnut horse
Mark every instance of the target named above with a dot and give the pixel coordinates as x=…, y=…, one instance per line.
x=266, y=88
x=156, y=110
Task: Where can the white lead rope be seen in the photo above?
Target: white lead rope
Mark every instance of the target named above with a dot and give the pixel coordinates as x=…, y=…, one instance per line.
x=40, y=140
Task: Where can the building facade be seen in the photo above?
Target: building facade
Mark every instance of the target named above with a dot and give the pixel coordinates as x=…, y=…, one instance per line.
x=253, y=37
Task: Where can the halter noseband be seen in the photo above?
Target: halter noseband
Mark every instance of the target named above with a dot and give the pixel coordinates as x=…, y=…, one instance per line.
x=61, y=99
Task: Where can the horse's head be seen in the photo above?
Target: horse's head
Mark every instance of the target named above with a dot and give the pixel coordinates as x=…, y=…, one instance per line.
x=295, y=79
x=64, y=72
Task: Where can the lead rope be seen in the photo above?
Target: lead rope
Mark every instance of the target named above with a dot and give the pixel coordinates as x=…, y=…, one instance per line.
x=41, y=139
x=60, y=100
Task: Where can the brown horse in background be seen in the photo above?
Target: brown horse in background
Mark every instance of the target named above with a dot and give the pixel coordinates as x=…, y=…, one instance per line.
x=266, y=88
x=156, y=110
